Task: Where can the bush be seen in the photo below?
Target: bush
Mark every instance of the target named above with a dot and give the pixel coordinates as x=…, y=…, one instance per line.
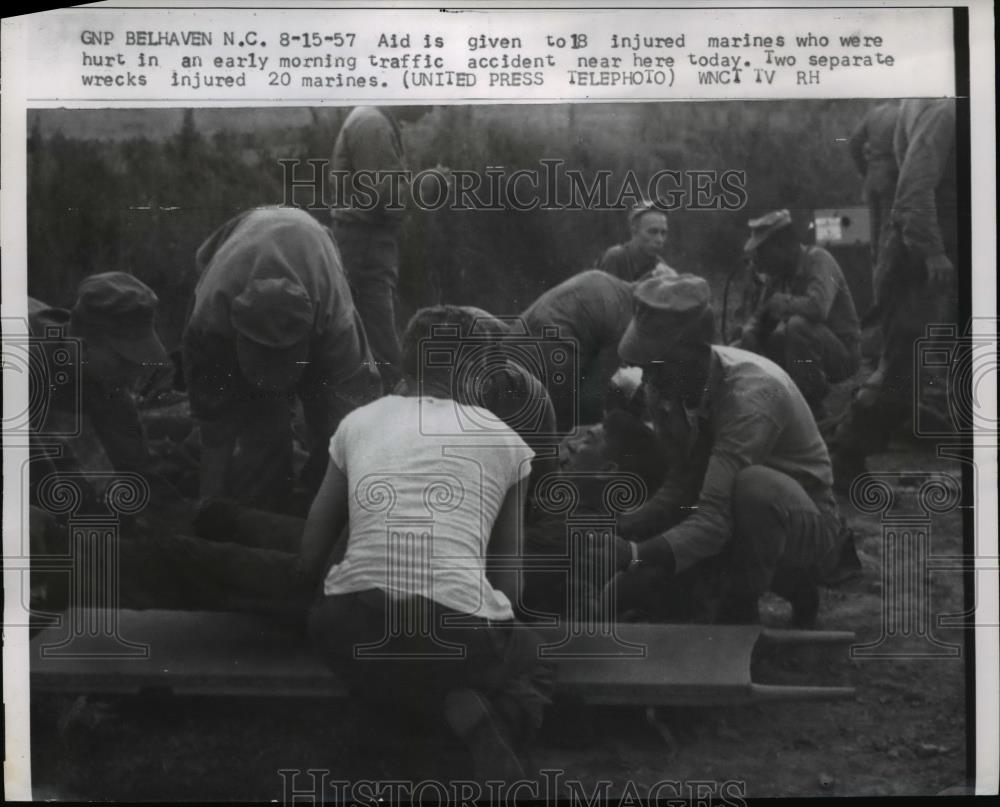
x=144, y=203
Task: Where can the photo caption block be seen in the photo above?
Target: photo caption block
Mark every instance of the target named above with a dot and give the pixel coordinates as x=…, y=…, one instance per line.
x=350, y=55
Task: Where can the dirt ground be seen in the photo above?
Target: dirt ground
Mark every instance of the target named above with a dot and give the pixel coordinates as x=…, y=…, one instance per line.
x=904, y=733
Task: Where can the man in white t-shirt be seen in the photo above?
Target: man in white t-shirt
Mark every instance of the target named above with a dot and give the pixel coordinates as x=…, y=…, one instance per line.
x=418, y=609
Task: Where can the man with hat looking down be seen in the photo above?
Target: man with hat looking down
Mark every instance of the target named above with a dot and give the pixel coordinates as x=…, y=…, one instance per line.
x=806, y=321
x=764, y=507
x=113, y=319
x=272, y=320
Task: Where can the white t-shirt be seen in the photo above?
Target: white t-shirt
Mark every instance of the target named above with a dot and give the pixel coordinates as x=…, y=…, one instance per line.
x=425, y=486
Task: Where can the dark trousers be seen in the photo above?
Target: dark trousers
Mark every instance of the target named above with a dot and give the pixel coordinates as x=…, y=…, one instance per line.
x=262, y=470
x=879, y=191
x=411, y=652
x=779, y=531
x=813, y=355
x=371, y=260
x=170, y=571
x=782, y=537
x=905, y=306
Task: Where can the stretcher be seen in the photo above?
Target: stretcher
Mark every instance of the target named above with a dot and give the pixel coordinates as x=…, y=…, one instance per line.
x=232, y=654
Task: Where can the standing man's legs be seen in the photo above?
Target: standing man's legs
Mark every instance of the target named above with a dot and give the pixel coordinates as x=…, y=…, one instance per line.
x=371, y=259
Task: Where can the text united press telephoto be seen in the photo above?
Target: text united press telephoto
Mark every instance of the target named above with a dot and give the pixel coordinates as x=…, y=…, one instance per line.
x=557, y=404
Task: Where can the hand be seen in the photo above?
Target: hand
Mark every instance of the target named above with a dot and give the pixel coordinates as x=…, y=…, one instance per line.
x=604, y=557
x=940, y=271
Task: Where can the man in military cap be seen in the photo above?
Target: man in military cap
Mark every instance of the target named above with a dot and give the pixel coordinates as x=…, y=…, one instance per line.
x=272, y=320
x=113, y=319
x=805, y=321
x=640, y=255
x=736, y=424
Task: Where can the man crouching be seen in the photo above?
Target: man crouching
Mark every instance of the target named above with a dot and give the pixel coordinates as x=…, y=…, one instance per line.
x=765, y=510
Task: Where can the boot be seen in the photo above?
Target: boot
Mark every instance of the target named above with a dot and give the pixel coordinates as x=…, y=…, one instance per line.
x=805, y=605
x=848, y=563
x=798, y=586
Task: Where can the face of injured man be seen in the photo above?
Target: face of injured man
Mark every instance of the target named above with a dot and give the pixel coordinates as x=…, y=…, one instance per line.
x=587, y=451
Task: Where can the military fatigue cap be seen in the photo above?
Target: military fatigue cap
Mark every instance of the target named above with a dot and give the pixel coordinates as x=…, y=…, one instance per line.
x=121, y=309
x=666, y=310
x=646, y=206
x=762, y=228
x=273, y=318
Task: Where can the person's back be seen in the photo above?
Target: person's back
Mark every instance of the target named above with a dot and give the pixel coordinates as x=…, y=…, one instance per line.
x=264, y=243
x=272, y=317
x=409, y=616
x=591, y=311
x=752, y=385
x=592, y=307
x=275, y=244
x=747, y=396
x=425, y=496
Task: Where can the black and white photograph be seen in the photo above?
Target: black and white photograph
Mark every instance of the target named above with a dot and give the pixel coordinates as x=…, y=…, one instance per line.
x=479, y=448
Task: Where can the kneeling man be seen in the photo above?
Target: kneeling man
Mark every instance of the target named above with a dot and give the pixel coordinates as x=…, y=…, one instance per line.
x=765, y=505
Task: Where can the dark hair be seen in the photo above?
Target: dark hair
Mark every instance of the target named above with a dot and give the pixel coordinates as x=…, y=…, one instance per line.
x=452, y=324
x=635, y=447
x=424, y=324
x=640, y=211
